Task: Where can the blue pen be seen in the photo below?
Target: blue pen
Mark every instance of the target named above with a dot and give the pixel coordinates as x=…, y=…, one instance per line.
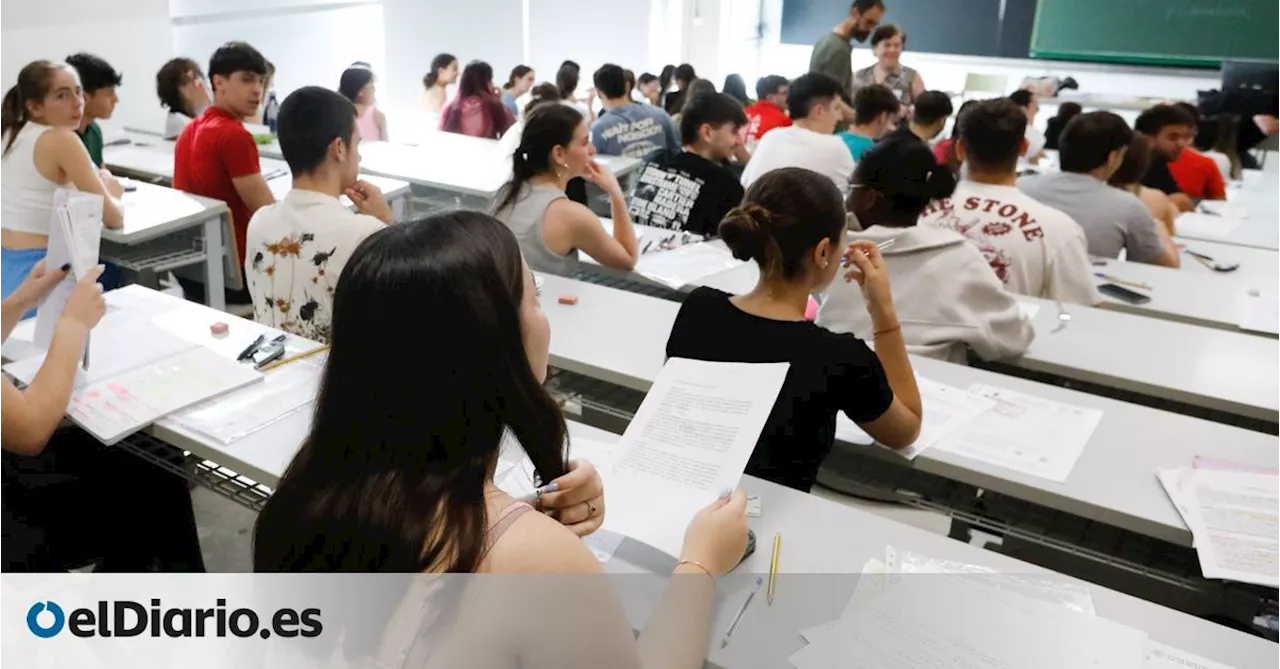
x=738, y=616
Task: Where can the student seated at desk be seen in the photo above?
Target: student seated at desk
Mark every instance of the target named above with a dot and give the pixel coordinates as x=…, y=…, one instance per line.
x=792, y=224
x=555, y=148
x=1053, y=128
x=357, y=85
x=1093, y=148
x=181, y=88
x=1196, y=174
x=297, y=247
x=216, y=156
x=1170, y=129
x=625, y=128
x=1033, y=249
x=476, y=111
x=928, y=117
x=98, y=81
x=1128, y=178
x=391, y=480
x=894, y=182
x=68, y=500
x=944, y=151
x=875, y=112
x=814, y=103
x=1036, y=140
x=770, y=109
x=518, y=83
x=567, y=78
x=435, y=87
x=646, y=90
x=43, y=153
x=691, y=189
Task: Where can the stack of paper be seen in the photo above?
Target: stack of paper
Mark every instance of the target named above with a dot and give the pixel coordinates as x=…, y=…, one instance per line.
x=75, y=233
x=968, y=616
x=1233, y=519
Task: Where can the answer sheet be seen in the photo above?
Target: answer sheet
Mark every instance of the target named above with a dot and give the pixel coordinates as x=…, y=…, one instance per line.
x=1234, y=518
x=1196, y=225
x=685, y=265
x=689, y=441
x=1160, y=656
x=1025, y=433
x=946, y=410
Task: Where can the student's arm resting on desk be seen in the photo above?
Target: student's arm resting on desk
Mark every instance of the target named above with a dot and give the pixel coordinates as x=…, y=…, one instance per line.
x=69, y=157
x=28, y=418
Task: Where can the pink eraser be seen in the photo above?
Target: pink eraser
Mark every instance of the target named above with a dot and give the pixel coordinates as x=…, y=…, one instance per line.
x=219, y=329
x=568, y=299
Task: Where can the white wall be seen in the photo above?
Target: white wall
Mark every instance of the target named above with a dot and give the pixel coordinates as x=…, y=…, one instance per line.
x=562, y=30
x=132, y=35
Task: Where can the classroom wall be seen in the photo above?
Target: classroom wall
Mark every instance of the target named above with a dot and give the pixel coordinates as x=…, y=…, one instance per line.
x=133, y=35
x=570, y=29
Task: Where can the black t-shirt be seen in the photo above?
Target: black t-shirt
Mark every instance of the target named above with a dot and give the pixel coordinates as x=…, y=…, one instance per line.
x=684, y=191
x=1159, y=177
x=829, y=372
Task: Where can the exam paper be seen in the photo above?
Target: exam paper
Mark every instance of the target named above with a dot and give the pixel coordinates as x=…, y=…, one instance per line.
x=1160, y=656
x=75, y=233
x=690, y=440
x=684, y=266
x=235, y=416
x=946, y=410
x=113, y=350
x=1025, y=433
x=1196, y=225
x=1234, y=518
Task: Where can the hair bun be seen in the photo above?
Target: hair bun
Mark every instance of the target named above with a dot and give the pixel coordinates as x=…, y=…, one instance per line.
x=744, y=231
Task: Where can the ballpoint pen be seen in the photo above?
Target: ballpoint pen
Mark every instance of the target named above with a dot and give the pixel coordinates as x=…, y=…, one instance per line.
x=248, y=351
x=741, y=610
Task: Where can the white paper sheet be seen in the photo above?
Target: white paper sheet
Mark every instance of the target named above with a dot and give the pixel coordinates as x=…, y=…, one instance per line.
x=1260, y=314
x=689, y=441
x=1195, y=225
x=1025, y=433
x=235, y=416
x=1223, y=208
x=946, y=410
x=1160, y=656
x=117, y=407
x=75, y=233
x=925, y=623
x=1172, y=481
x=684, y=266
x=114, y=349
x=1235, y=520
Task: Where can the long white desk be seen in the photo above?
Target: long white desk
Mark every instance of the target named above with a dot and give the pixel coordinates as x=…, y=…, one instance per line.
x=620, y=338
x=824, y=540
x=1215, y=300
x=1254, y=264
x=152, y=212
x=1260, y=196
x=466, y=166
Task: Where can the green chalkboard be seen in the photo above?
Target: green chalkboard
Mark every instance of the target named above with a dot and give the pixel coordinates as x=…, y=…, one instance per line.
x=1158, y=32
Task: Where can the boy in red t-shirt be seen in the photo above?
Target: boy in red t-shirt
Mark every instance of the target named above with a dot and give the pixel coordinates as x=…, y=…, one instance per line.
x=216, y=156
x=769, y=111
x=1195, y=173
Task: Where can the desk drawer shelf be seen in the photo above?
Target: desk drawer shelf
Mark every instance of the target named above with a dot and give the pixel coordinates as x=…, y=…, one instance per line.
x=162, y=254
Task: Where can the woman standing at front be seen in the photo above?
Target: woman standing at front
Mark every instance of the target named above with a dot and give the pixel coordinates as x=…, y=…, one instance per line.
x=42, y=153
x=887, y=42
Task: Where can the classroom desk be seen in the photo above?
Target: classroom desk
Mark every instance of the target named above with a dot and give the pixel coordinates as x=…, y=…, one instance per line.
x=1217, y=300
x=620, y=338
x=466, y=166
x=1259, y=195
x=1213, y=369
x=822, y=541
x=152, y=212
x=1255, y=264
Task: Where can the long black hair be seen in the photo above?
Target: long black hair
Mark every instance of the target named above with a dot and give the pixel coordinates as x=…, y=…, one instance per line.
x=567, y=79
x=409, y=418
x=477, y=82
x=736, y=88
x=545, y=128
x=353, y=80
x=438, y=63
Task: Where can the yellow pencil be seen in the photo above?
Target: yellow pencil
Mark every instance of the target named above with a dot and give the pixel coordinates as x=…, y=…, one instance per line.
x=773, y=569
x=299, y=356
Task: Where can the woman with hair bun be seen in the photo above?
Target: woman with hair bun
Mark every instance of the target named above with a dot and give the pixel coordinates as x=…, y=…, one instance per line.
x=791, y=223
x=947, y=297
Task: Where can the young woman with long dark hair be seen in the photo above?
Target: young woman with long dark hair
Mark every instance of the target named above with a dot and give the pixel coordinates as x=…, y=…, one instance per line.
x=397, y=472
x=476, y=110
x=555, y=148
x=357, y=85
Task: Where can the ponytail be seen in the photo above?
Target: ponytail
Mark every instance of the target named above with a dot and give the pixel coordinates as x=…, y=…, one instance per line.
x=34, y=82
x=438, y=63
x=546, y=128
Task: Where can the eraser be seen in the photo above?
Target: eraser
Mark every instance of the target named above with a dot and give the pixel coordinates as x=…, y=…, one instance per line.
x=219, y=329
x=568, y=299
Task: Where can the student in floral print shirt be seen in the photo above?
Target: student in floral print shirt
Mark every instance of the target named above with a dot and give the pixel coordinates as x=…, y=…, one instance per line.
x=297, y=247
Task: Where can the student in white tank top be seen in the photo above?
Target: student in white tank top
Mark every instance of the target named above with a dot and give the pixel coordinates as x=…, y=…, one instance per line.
x=41, y=154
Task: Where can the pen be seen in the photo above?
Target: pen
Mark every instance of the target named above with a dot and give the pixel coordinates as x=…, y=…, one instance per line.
x=737, y=617
x=886, y=243
x=773, y=567
x=1131, y=284
x=646, y=246
x=248, y=352
x=305, y=354
x=1206, y=211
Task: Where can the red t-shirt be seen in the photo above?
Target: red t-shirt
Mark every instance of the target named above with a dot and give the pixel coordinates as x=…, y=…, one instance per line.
x=212, y=150
x=762, y=117
x=1198, y=176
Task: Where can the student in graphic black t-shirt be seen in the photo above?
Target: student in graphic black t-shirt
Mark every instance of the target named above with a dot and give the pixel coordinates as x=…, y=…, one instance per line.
x=792, y=224
x=691, y=189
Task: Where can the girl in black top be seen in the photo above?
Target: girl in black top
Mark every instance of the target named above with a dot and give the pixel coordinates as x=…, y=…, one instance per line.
x=791, y=223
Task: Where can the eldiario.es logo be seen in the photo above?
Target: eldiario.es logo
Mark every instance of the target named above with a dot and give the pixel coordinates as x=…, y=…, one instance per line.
x=125, y=618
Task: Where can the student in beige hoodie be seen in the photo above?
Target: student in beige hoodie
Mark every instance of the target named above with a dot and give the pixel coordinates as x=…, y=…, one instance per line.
x=947, y=297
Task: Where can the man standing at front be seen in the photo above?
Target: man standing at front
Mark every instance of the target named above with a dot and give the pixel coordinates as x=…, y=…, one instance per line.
x=833, y=54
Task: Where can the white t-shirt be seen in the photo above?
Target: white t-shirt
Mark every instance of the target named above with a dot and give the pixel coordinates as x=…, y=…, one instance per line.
x=295, y=250
x=1035, y=141
x=794, y=146
x=174, y=124
x=1033, y=248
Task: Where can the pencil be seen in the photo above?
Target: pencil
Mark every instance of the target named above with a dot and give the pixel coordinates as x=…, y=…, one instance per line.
x=299, y=356
x=773, y=568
